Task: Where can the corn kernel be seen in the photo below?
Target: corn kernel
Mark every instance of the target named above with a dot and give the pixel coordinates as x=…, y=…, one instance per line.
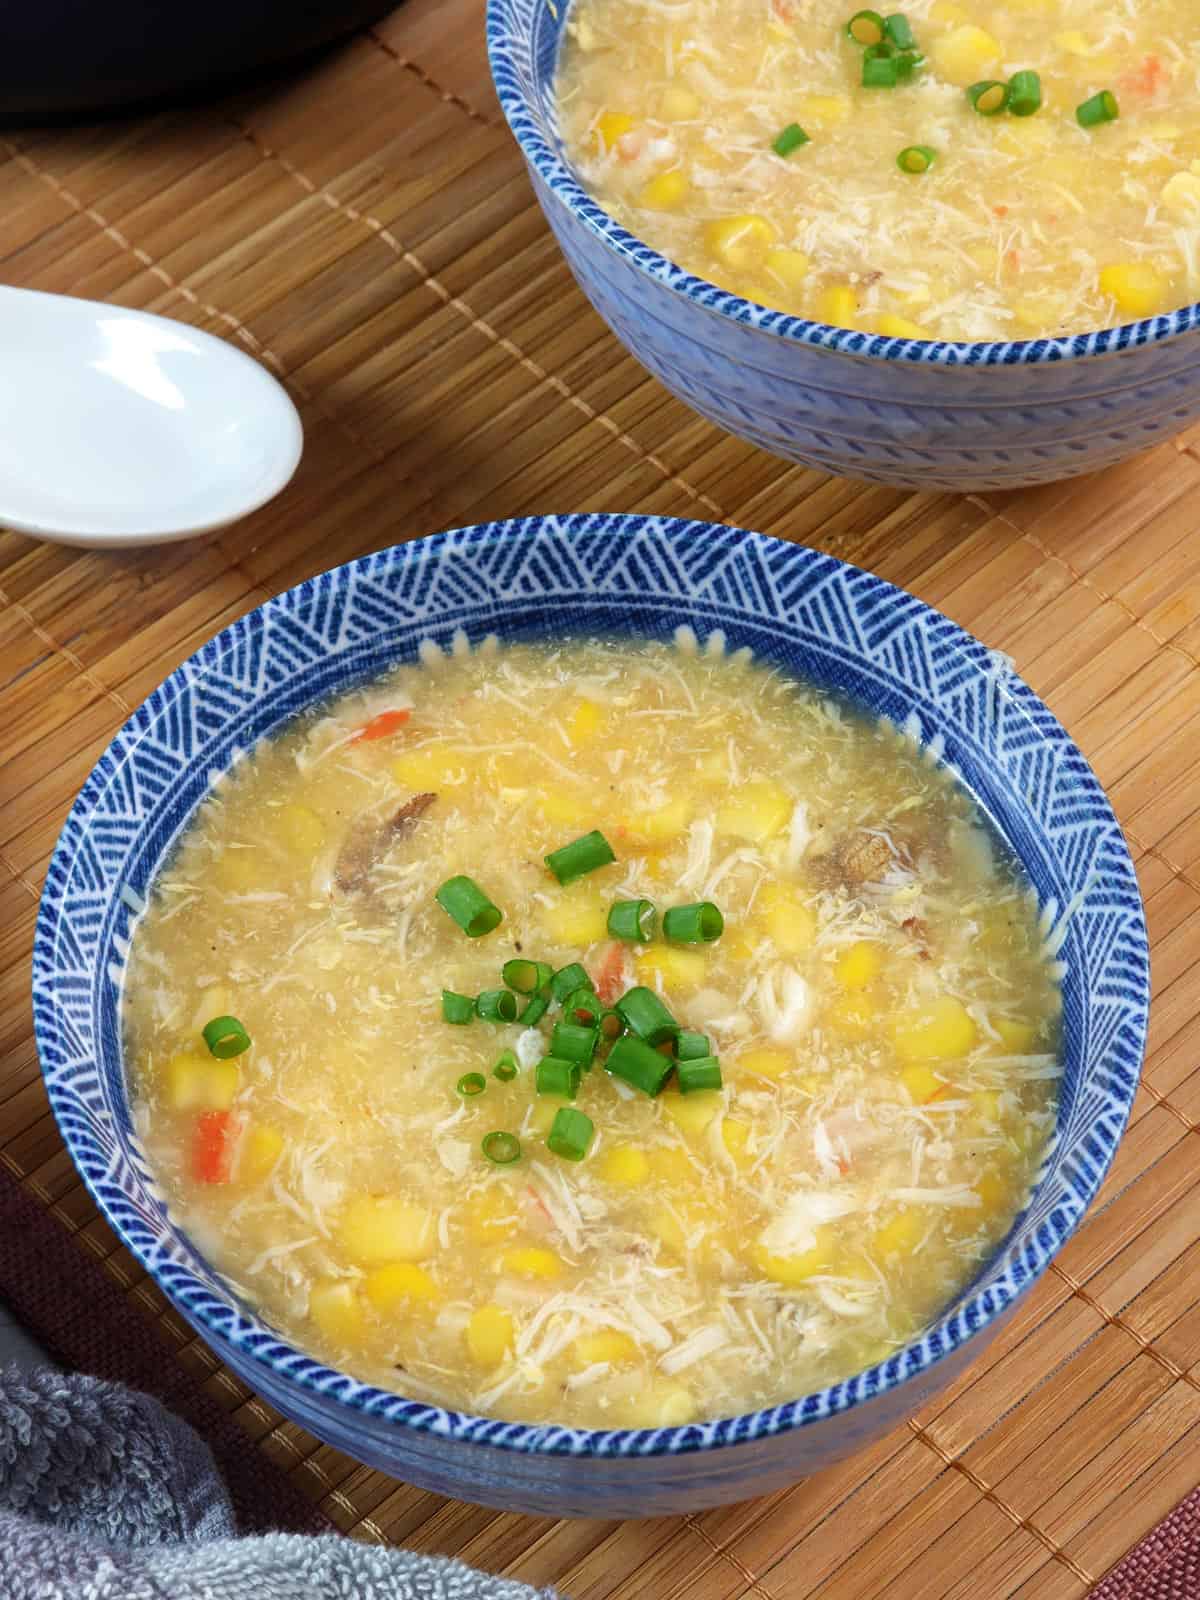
x=765, y=1061
x=740, y=946
x=921, y=1082
x=202, y=1083
x=665, y=823
x=531, y=1261
x=580, y=917
x=489, y=1335
x=680, y=970
x=895, y=327
x=261, y=1148
x=948, y=12
x=757, y=812
x=625, y=1165
x=398, y=1284
x=673, y=1165
x=692, y=1113
x=1016, y=1037
x=678, y=104
x=789, y=922
x=378, y=1228
x=791, y=1269
x=301, y=829
x=993, y=1192
x=1181, y=194
x=609, y=127
x=899, y=1236
x=1074, y=42
x=986, y=1103
x=661, y=1405
x=961, y=55
x=823, y=110
x=740, y=242
x=837, y=304
x=666, y=192
x=583, y=722
x=735, y=1136
x=606, y=1344
x=789, y=268
x=1138, y=287
x=858, y=964
x=492, y=1216
x=667, y=1229
x=544, y=1110
x=565, y=810
x=334, y=1306
x=429, y=766
x=940, y=1030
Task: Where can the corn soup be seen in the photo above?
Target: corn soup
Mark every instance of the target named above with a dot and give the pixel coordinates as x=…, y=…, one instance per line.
x=611, y=1034
x=952, y=171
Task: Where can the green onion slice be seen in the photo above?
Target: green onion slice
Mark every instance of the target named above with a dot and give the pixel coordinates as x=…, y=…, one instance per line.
x=225, y=1037
x=506, y=1067
x=535, y=1010
x=1024, y=93
x=696, y=924
x=632, y=920
x=611, y=1026
x=899, y=31
x=500, y=1147
x=789, y=139
x=1102, y=107
x=496, y=1005
x=643, y=1013
x=567, y=980
x=555, y=1075
x=692, y=1046
x=458, y=1008
x=916, y=158
x=880, y=72
x=866, y=27
x=585, y=854
x=582, y=1007
x=572, y=1042
x=640, y=1064
x=702, y=1073
x=571, y=1134
x=463, y=899
x=471, y=1083
x=989, y=97
x=526, y=977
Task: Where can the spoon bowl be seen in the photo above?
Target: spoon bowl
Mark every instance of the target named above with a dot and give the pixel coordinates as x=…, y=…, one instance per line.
x=120, y=428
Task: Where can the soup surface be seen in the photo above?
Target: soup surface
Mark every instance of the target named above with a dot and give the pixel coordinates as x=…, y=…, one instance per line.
x=1022, y=225
x=885, y=1021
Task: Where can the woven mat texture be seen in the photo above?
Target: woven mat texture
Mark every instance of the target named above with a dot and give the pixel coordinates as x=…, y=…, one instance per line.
x=366, y=230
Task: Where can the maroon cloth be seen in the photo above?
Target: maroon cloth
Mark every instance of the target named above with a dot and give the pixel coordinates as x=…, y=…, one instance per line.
x=71, y=1307
x=1166, y=1565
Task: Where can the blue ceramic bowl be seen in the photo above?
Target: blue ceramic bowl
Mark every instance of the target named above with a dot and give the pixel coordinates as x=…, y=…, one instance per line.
x=813, y=616
x=916, y=413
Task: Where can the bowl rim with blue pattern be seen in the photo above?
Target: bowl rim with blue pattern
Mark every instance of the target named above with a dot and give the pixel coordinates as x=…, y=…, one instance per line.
x=641, y=576
x=510, y=26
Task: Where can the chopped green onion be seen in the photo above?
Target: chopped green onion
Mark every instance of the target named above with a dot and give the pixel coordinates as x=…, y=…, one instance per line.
x=611, y=1026
x=692, y=1046
x=571, y=1042
x=463, y=899
x=496, y=1005
x=458, y=1008
x=632, y=920
x=643, y=1013
x=640, y=1064
x=502, y=1148
x=989, y=97
x=225, y=1038
x=582, y=1007
x=916, y=158
x=899, y=31
x=885, y=50
x=907, y=62
x=471, y=1083
x=1024, y=93
x=535, y=1010
x=1100, y=108
x=567, y=980
x=866, y=27
x=571, y=1134
x=527, y=977
x=556, y=1076
x=789, y=139
x=582, y=855
x=702, y=1073
x=506, y=1067
x=880, y=72
x=696, y=924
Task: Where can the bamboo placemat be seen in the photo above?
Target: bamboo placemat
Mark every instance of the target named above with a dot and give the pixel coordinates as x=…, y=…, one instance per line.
x=367, y=232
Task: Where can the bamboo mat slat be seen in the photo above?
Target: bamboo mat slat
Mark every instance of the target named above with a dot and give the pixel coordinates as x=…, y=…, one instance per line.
x=367, y=232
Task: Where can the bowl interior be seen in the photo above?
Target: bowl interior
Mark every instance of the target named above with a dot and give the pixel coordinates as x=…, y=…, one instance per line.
x=813, y=616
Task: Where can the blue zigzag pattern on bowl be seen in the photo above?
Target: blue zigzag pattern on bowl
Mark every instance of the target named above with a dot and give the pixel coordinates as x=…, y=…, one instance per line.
x=806, y=611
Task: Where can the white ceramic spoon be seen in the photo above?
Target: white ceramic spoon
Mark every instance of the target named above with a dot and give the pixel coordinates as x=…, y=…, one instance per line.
x=122, y=428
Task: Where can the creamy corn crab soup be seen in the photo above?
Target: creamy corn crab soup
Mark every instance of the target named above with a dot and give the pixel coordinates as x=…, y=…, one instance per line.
x=614, y=1034
x=957, y=170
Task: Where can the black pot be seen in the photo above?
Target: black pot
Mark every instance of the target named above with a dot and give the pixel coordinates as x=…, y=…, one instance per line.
x=62, y=58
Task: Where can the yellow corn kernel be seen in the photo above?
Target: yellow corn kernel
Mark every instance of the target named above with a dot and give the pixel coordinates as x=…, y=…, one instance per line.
x=565, y=810
x=739, y=946
x=1138, y=287
x=666, y=192
x=765, y=1061
x=789, y=922
x=899, y=1236
x=789, y=268
x=921, y=1082
x=993, y=1192
x=791, y=1269
x=579, y=918
x=301, y=829
x=489, y=1335
x=667, y=1229
x=261, y=1148
x=583, y=722
x=961, y=55
x=374, y=1229
x=609, y=127
x=692, y=1113
x=673, y=1165
x=493, y=1216
x=740, y=242
x=678, y=969
x=1074, y=42
x=858, y=964
x=606, y=1344
x=214, y=1002
x=1181, y=194
x=544, y=1110
x=1016, y=1037
x=429, y=766
x=735, y=1136
x=202, y=1083
x=399, y=1284
x=334, y=1306
x=531, y=1261
x=661, y=1405
x=823, y=110
x=678, y=104
x=625, y=1165
x=837, y=305
x=948, y=12
x=986, y=1103
x=895, y=327
x=665, y=823
x=757, y=812
x=938, y=1031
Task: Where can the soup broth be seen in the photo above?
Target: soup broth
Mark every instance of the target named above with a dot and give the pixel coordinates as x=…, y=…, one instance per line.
x=883, y=1014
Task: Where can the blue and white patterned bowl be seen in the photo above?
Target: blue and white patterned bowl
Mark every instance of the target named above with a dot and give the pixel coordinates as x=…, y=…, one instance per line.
x=911, y=412
x=813, y=616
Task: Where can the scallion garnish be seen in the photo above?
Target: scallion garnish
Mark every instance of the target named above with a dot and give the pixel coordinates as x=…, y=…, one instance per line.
x=567, y=979
x=570, y=1041
x=537, y=1008
x=500, y=1147
x=643, y=1013
x=554, y=1075
x=696, y=924
x=1102, y=107
x=916, y=158
x=866, y=27
x=571, y=1134
x=526, y=977
x=496, y=1005
x=585, y=854
x=611, y=1026
x=989, y=97
x=463, y=899
x=640, y=1064
x=582, y=1007
x=907, y=62
x=880, y=72
x=702, y=1073
x=632, y=920
x=506, y=1067
x=471, y=1083
x=1024, y=93
x=789, y=139
x=692, y=1046
x=899, y=31
x=458, y=1008
x=225, y=1037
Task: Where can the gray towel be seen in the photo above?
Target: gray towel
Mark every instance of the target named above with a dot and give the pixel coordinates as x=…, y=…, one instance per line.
x=104, y=1495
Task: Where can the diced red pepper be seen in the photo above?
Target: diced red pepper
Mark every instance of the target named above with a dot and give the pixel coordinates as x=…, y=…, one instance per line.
x=610, y=977
x=213, y=1144
x=381, y=727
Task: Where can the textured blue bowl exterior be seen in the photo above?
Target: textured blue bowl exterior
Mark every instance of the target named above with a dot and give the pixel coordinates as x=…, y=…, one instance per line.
x=916, y=413
x=806, y=612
